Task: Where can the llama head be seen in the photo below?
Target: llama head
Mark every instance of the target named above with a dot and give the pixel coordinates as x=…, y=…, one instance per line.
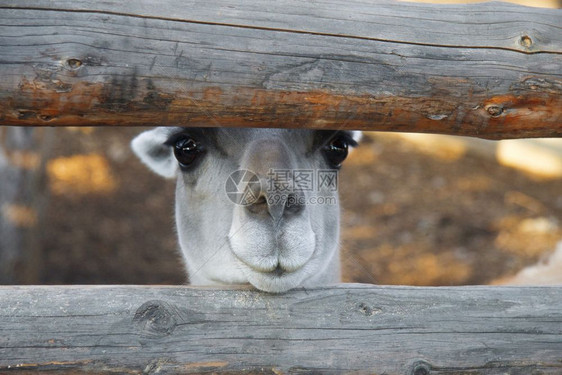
x=256, y=206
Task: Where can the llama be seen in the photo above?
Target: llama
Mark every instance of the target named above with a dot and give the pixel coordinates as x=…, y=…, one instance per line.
x=253, y=206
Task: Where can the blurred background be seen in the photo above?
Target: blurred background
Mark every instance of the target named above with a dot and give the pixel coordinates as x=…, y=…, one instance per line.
x=77, y=207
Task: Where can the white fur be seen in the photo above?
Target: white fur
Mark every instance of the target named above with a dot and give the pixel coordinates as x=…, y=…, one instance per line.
x=269, y=246
x=149, y=147
x=357, y=135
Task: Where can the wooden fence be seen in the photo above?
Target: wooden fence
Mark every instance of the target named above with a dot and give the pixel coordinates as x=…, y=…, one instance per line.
x=353, y=329
x=490, y=70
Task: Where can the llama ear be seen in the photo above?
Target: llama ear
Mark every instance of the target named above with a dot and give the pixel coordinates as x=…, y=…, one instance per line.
x=150, y=146
x=356, y=135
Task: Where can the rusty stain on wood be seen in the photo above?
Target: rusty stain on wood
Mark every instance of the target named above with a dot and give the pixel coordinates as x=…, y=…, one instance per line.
x=142, y=103
x=207, y=366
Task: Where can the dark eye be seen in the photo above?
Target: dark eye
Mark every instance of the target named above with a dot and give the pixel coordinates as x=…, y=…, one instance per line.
x=336, y=151
x=186, y=151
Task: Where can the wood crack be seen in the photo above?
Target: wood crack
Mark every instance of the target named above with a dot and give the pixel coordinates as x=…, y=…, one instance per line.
x=282, y=30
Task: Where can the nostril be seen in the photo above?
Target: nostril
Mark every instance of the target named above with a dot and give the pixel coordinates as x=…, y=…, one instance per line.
x=259, y=206
x=295, y=203
x=278, y=205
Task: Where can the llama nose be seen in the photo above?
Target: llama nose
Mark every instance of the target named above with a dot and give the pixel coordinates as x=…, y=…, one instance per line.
x=277, y=205
x=272, y=162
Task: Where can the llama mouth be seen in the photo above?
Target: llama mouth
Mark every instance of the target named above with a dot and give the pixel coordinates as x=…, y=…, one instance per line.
x=278, y=271
x=273, y=280
x=277, y=280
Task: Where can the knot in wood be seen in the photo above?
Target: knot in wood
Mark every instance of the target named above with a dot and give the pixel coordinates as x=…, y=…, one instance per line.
x=367, y=310
x=526, y=41
x=494, y=110
x=74, y=63
x=156, y=318
x=46, y=118
x=24, y=114
x=421, y=368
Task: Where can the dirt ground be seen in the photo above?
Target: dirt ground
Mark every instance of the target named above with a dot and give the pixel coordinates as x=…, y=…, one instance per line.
x=409, y=216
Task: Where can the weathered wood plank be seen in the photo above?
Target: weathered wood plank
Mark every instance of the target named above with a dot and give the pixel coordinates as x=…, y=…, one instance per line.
x=344, y=329
x=405, y=22
x=489, y=70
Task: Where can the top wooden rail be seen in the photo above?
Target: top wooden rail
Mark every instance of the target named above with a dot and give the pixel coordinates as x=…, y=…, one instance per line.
x=490, y=70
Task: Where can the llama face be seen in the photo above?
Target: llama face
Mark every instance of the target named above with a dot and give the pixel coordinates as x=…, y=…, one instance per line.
x=256, y=206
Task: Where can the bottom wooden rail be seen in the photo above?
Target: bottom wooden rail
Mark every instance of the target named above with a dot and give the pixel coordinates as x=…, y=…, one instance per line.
x=347, y=328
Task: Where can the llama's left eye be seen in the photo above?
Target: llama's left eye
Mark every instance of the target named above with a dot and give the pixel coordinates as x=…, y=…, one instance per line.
x=336, y=151
x=186, y=151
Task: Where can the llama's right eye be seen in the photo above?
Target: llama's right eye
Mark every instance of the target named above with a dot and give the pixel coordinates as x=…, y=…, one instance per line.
x=186, y=151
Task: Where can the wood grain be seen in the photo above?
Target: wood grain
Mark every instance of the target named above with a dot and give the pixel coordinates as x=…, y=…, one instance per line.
x=349, y=328
x=491, y=70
